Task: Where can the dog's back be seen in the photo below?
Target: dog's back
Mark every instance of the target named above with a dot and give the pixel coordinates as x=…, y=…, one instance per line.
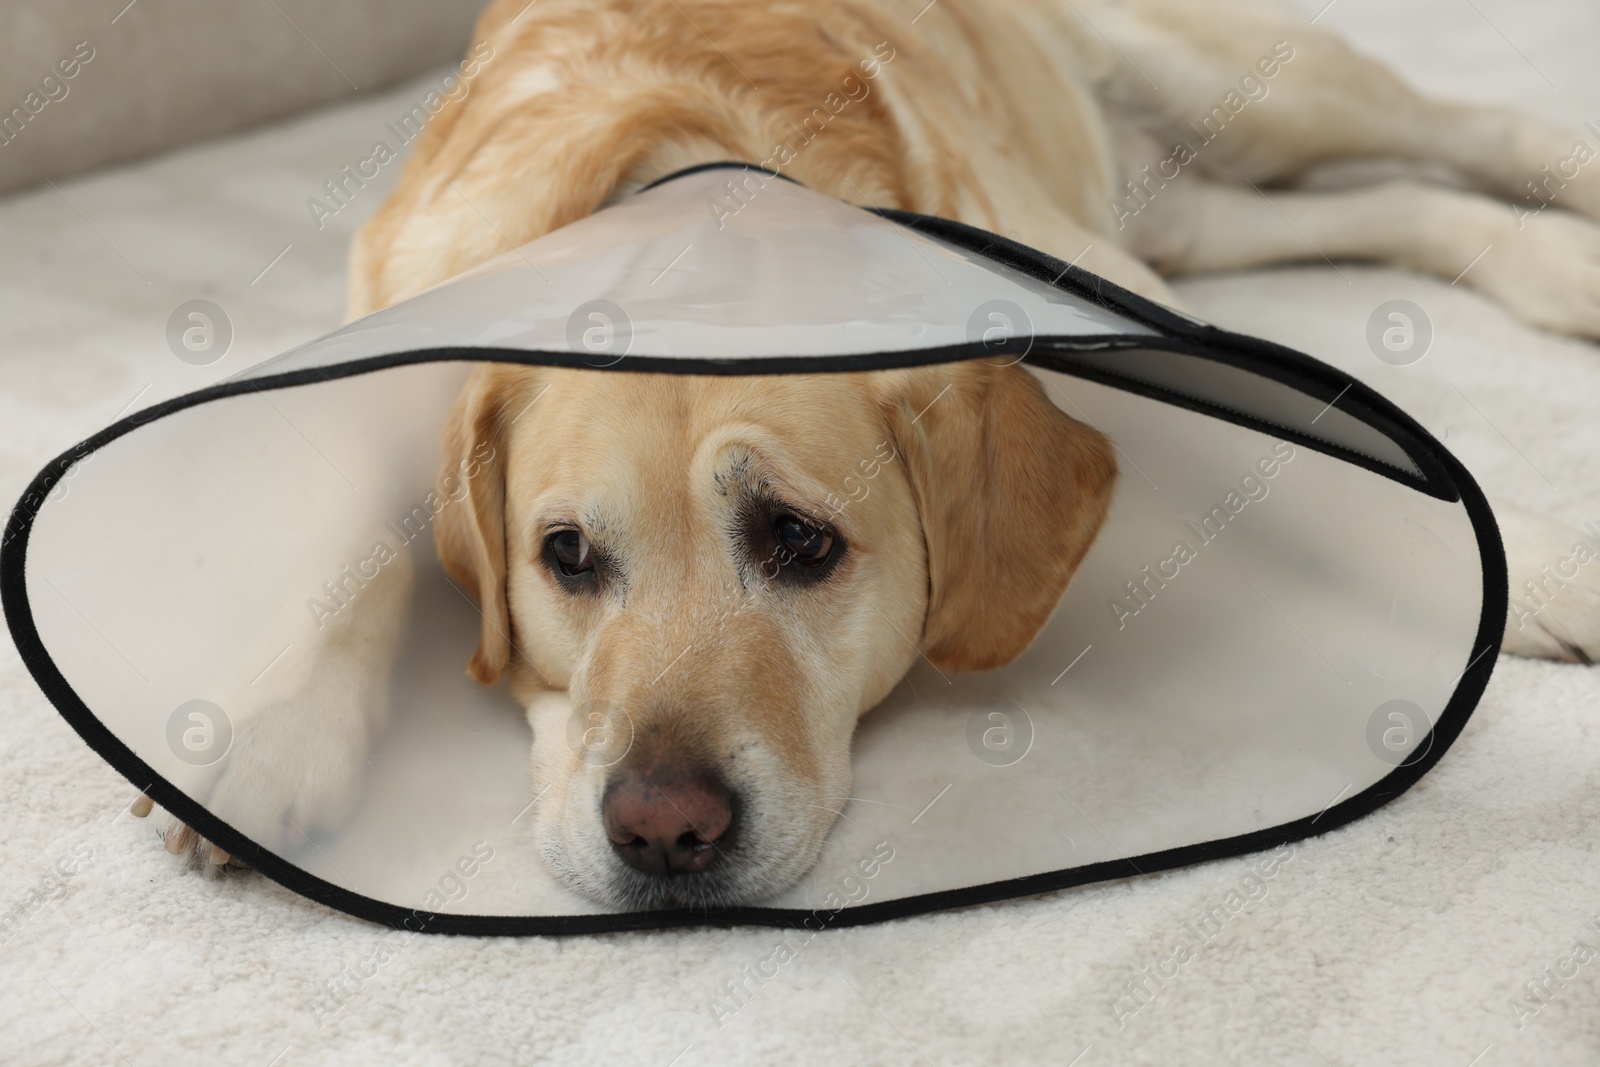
x=942, y=108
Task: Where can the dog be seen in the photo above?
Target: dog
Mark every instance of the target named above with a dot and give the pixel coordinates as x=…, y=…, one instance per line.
x=654, y=545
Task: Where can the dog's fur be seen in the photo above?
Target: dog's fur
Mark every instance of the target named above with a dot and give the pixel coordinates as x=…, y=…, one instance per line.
x=1032, y=118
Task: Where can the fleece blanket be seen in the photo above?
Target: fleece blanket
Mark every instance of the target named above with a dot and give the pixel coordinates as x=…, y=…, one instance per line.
x=1458, y=925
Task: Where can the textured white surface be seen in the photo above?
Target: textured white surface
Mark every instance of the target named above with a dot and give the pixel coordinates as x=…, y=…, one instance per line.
x=1398, y=939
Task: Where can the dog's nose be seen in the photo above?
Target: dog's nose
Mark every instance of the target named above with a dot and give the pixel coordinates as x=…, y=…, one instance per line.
x=667, y=821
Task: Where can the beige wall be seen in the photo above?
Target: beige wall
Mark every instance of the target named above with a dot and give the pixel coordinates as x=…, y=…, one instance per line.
x=167, y=71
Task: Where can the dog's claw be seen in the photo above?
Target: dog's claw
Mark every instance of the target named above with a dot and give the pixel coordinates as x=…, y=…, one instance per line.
x=182, y=840
x=179, y=839
x=141, y=806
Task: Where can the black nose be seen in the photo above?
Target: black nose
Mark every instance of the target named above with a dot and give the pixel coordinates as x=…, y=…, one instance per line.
x=665, y=820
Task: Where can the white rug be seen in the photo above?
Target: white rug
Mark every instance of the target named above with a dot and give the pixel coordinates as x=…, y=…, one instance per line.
x=1404, y=938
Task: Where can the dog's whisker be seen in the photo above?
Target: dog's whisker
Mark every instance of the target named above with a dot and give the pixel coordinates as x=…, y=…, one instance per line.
x=824, y=807
x=885, y=803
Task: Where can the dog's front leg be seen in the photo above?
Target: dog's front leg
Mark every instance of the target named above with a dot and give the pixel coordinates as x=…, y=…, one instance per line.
x=296, y=763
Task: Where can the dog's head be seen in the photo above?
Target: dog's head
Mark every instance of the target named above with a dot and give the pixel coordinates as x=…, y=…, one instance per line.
x=723, y=573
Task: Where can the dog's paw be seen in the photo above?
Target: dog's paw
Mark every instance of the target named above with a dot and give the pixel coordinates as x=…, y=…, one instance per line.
x=1554, y=571
x=1579, y=192
x=293, y=769
x=1546, y=271
x=180, y=839
x=290, y=772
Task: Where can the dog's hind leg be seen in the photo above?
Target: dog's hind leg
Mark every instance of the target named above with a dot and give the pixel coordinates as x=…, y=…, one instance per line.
x=1252, y=98
x=1544, y=270
x=1555, y=587
x=1262, y=95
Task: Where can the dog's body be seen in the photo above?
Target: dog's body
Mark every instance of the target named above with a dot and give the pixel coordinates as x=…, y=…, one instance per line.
x=654, y=548
x=1049, y=121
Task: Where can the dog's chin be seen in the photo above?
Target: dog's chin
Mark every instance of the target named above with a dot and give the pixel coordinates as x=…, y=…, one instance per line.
x=631, y=890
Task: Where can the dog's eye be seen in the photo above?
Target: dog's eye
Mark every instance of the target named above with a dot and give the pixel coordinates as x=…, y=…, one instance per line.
x=571, y=551
x=806, y=544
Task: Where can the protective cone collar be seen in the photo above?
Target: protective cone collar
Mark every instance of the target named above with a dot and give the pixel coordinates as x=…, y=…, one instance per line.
x=1313, y=647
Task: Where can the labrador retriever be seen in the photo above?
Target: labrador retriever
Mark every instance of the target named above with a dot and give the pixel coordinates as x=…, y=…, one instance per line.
x=656, y=548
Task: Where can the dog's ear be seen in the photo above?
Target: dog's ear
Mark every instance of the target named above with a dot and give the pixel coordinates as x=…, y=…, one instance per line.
x=469, y=533
x=1011, y=492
